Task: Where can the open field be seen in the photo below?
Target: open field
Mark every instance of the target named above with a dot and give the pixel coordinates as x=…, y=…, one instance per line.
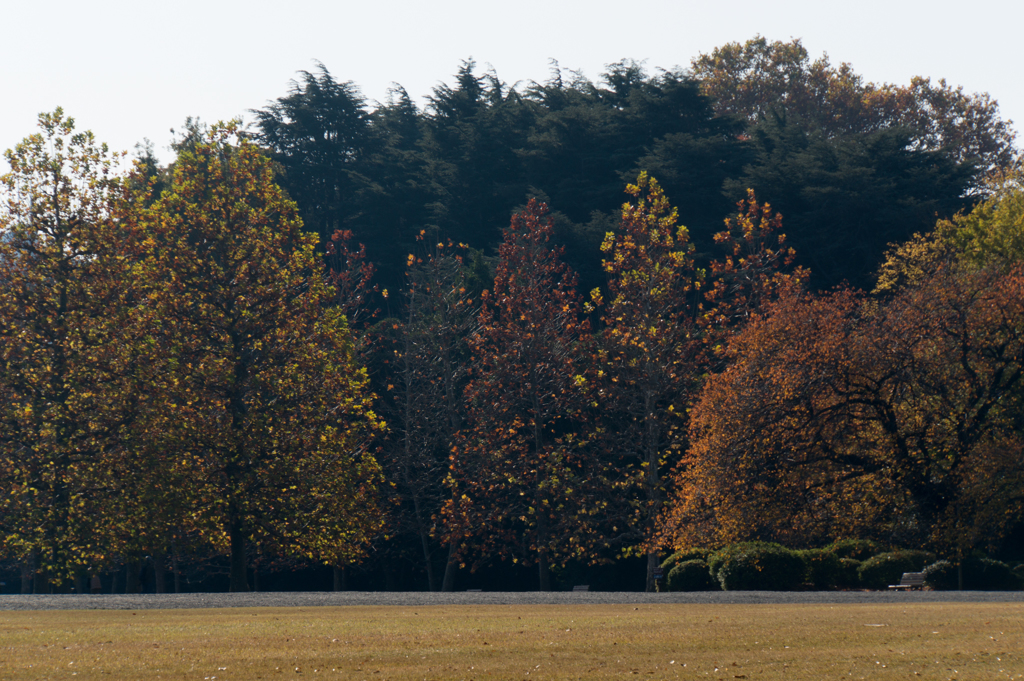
x=659, y=641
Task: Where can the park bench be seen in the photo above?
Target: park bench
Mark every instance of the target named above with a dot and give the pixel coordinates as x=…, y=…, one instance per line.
x=910, y=580
x=581, y=587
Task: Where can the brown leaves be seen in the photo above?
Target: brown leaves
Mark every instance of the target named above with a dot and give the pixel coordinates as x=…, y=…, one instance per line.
x=838, y=411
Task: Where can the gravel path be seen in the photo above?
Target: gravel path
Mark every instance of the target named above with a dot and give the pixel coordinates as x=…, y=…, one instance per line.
x=321, y=599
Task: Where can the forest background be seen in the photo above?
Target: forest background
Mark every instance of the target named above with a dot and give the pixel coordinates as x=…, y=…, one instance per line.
x=546, y=404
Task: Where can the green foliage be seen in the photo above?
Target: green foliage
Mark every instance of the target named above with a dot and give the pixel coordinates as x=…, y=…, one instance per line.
x=849, y=573
x=845, y=199
x=878, y=572
x=858, y=549
x=691, y=575
x=1019, y=572
x=824, y=569
x=993, y=232
x=696, y=553
x=761, y=566
x=979, y=574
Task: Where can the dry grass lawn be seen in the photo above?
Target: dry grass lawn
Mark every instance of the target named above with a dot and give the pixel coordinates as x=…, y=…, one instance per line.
x=793, y=642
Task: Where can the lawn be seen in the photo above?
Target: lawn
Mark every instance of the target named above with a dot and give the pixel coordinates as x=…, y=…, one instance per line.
x=926, y=641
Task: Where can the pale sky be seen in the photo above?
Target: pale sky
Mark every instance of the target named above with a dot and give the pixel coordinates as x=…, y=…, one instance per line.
x=129, y=69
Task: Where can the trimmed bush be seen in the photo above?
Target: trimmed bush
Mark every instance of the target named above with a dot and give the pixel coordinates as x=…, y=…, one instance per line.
x=849, y=576
x=823, y=569
x=685, y=555
x=941, y=576
x=878, y=572
x=691, y=575
x=997, y=576
x=858, y=549
x=717, y=558
x=760, y=566
x=980, y=574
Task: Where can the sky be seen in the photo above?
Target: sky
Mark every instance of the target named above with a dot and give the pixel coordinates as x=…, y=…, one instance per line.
x=129, y=70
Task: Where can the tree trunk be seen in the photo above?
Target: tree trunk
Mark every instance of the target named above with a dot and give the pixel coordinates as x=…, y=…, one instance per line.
x=448, y=585
x=544, y=571
x=424, y=533
x=239, y=582
x=174, y=569
x=40, y=585
x=390, y=578
x=340, y=579
x=159, y=573
x=132, y=583
x=652, y=562
x=28, y=567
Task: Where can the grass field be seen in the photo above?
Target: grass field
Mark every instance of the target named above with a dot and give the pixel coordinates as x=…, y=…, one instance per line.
x=926, y=641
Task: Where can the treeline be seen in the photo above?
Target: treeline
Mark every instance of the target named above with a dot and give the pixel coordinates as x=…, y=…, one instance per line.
x=852, y=165
x=401, y=370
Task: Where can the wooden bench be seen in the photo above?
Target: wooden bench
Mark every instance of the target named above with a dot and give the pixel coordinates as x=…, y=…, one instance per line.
x=910, y=580
x=581, y=587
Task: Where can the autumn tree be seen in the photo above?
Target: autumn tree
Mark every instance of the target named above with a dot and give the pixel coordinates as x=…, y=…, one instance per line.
x=652, y=349
x=521, y=477
x=758, y=78
x=841, y=415
x=992, y=233
x=264, y=401
x=663, y=319
x=68, y=343
x=425, y=367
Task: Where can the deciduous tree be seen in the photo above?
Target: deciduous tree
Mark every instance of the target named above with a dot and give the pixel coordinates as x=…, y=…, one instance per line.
x=522, y=477
x=840, y=414
x=264, y=401
x=652, y=351
x=68, y=343
x=425, y=369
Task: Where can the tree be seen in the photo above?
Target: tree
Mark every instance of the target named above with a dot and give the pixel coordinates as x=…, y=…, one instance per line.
x=840, y=415
x=68, y=349
x=522, y=477
x=317, y=132
x=264, y=402
x=652, y=349
x=759, y=78
x=425, y=372
x=846, y=198
x=993, y=232
x=662, y=322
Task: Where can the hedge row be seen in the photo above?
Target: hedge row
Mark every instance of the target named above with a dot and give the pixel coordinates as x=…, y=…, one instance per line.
x=849, y=564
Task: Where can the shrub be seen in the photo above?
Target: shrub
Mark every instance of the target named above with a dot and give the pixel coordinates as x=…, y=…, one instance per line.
x=823, y=569
x=849, y=577
x=762, y=567
x=717, y=558
x=685, y=555
x=691, y=575
x=997, y=576
x=941, y=576
x=878, y=572
x=980, y=574
x=858, y=549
